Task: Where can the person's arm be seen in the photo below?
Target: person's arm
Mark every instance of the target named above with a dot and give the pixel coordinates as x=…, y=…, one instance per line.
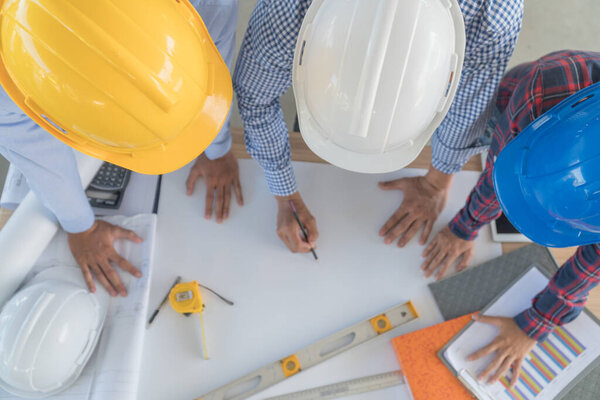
x=51, y=172
x=218, y=165
x=491, y=36
x=482, y=206
x=455, y=241
x=262, y=75
x=221, y=22
x=559, y=303
x=565, y=296
x=49, y=167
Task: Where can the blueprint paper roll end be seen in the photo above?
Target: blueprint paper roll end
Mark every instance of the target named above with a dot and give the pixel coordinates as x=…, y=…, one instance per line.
x=29, y=231
x=22, y=241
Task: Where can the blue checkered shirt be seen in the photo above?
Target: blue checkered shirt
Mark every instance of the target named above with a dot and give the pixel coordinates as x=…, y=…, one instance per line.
x=264, y=73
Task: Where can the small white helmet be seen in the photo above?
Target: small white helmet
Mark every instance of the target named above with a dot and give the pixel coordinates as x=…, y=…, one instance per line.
x=373, y=79
x=48, y=331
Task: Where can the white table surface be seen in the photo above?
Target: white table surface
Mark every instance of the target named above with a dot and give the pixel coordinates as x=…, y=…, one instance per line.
x=285, y=301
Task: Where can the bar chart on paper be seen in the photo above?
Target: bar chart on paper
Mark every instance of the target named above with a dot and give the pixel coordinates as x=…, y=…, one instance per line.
x=543, y=364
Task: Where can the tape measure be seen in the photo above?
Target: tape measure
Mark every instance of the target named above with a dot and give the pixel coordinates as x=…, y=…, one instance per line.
x=347, y=388
x=314, y=354
x=186, y=298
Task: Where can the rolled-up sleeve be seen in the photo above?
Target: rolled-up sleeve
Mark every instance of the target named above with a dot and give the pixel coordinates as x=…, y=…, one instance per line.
x=565, y=296
x=48, y=165
x=263, y=74
x=492, y=29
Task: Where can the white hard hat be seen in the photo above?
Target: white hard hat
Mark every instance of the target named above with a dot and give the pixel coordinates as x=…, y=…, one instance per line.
x=48, y=331
x=373, y=79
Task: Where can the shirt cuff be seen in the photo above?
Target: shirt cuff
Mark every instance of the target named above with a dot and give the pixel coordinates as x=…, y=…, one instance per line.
x=463, y=226
x=282, y=182
x=222, y=143
x=451, y=160
x=534, y=325
x=79, y=224
x=218, y=150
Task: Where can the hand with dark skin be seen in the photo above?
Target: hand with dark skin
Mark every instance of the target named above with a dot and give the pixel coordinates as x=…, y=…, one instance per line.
x=443, y=251
x=511, y=345
x=424, y=199
x=288, y=229
x=95, y=253
x=221, y=176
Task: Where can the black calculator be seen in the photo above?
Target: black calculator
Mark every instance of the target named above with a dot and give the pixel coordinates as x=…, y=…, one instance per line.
x=108, y=186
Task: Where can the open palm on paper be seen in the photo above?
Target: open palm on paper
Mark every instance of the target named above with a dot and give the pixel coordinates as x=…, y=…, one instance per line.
x=510, y=347
x=95, y=254
x=424, y=199
x=222, y=177
x=444, y=250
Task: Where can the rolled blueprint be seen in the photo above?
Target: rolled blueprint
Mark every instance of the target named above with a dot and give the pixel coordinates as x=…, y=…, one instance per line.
x=29, y=230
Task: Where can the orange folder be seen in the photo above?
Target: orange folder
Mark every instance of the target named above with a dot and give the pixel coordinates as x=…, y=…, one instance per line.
x=427, y=376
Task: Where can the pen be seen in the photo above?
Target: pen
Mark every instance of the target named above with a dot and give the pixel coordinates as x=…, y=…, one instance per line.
x=155, y=313
x=302, y=228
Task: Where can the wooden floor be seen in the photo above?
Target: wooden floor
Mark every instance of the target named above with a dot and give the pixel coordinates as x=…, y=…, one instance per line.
x=300, y=152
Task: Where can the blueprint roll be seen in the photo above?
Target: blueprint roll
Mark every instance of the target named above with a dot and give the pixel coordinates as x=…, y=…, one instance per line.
x=29, y=230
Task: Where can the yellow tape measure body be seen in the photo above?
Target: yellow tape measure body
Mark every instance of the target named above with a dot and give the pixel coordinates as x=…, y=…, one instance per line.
x=186, y=298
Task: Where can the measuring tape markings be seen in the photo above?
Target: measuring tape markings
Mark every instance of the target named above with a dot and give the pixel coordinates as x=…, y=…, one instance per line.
x=314, y=354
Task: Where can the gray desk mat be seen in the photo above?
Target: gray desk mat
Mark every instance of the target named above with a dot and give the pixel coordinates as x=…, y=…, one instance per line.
x=472, y=290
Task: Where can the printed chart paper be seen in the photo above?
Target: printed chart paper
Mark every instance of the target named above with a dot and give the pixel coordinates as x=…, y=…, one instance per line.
x=549, y=367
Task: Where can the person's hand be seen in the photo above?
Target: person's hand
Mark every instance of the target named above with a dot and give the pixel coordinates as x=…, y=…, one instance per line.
x=511, y=345
x=94, y=252
x=220, y=176
x=288, y=229
x=443, y=251
x=424, y=200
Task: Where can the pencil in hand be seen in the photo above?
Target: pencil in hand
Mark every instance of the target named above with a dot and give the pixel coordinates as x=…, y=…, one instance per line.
x=302, y=228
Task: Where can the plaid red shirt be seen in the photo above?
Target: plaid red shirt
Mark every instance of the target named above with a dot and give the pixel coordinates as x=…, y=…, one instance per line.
x=525, y=93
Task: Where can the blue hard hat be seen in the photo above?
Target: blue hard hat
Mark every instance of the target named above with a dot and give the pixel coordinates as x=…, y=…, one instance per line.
x=547, y=179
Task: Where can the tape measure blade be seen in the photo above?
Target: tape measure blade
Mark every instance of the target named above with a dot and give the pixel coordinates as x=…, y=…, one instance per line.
x=346, y=388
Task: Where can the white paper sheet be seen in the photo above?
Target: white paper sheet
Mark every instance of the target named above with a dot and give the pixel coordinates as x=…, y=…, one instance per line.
x=113, y=371
x=515, y=300
x=284, y=301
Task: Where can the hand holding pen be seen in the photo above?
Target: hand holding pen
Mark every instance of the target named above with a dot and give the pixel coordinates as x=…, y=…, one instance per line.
x=297, y=239
x=302, y=228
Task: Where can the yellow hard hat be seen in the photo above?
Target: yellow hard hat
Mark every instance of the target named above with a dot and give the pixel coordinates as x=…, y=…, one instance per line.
x=138, y=83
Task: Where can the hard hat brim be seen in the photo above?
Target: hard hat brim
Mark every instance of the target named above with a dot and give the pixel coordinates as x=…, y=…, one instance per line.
x=375, y=163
